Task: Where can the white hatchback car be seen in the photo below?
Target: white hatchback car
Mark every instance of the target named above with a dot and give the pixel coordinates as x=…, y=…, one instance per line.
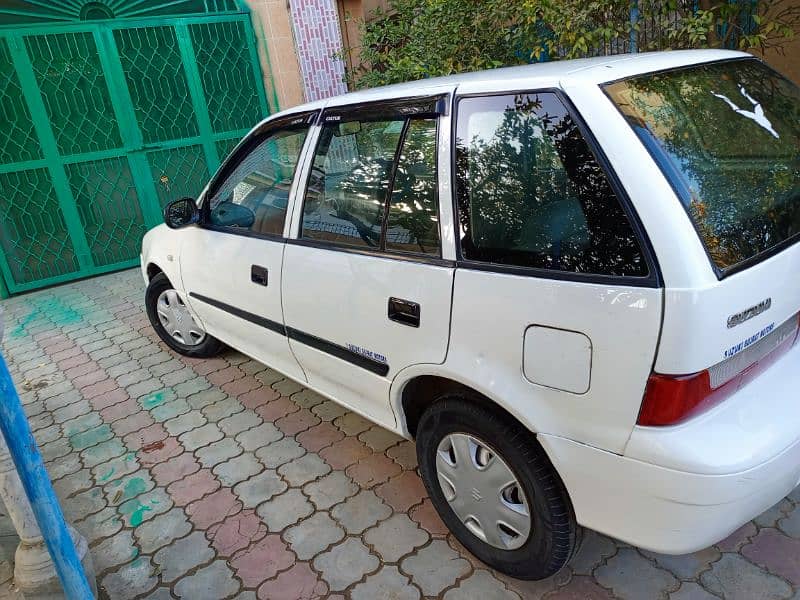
x=575, y=284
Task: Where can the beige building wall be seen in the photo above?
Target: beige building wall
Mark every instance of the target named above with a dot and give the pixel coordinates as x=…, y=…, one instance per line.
x=788, y=61
x=276, y=48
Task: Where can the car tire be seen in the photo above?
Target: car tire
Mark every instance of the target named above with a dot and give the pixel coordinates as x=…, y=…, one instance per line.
x=160, y=289
x=553, y=535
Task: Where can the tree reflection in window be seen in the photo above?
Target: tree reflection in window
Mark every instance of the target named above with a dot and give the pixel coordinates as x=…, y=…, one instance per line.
x=727, y=137
x=532, y=194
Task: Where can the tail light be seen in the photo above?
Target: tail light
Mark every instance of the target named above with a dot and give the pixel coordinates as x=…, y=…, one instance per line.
x=671, y=399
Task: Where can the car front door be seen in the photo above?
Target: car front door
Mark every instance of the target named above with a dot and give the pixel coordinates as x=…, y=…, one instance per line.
x=366, y=291
x=231, y=264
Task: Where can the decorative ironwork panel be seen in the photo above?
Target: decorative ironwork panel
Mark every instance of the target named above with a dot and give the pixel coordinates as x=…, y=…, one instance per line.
x=154, y=71
x=109, y=210
x=18, y=142
x=53, y=11
x=226, y=72
x=73, y=88
x=33, y=234
x=178, y=172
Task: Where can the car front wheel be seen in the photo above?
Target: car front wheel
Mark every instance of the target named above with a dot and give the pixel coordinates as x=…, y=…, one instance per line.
x=173, y=322
x=495, y=488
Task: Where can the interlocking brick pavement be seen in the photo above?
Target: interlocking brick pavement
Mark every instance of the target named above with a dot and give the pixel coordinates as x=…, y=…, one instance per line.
x=221, y=478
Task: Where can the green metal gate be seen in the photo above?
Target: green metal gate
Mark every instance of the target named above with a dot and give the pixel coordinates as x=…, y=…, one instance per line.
x=104, y=121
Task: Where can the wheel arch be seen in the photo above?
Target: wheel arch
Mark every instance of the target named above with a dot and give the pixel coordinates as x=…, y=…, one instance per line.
x=416, y=392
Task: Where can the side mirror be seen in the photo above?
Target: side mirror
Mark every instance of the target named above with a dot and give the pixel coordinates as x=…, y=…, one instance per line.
x=180, y=213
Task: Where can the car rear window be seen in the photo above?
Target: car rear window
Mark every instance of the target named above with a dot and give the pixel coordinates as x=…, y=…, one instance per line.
x=727, y=137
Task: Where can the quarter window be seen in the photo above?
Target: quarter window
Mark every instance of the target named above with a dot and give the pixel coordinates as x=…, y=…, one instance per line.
x=358, y=166
x=255, y=195
x=531, y=193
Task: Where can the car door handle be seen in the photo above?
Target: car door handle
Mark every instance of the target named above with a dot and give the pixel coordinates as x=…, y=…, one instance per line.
x=404, y=312
x=259, y=275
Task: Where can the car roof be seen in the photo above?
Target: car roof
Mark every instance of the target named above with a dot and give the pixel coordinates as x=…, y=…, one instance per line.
x=596, y=70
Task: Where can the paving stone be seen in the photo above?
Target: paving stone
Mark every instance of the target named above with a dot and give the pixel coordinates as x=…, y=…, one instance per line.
x=259, y=488
x=286, y=509
x=145, y=507
x=387, y=583
x=213, y=508
x=296, y=422
x=132, y=423
x=691, y=591
x=131, y=580
x=222, y=409
x=115, y=468
x=205, y=398
x=175, y=468
x=262, y=560
x=286, y=387
x=74, y=482
x=193, y=487
x=427, y=518
x=277, y=409
x=344, y=453
x=329, y=410
x=103, y=452
x=209, y=583
x=770, y=516
x=146, y=437
x=790, y=524
x=114, y=551
x=278, y=453
x=170, y=410
x=218, y=452
x=594, y=549
x=269, y=376
x=404, y=454
x=193, y=386
x=123, y=489
x=236, y=532
x=331, y=489
x=630, y=575
x=185, y=422
x=482, y=585
x=310, y=537
x=100, y=525
x=239, y=422
x=304, y=469
x=237, y=469
x=161, y=593
x=396, y=537
x=202, y=436
x=435, y=567
x=379, y=439
x=183, y=555
x=738, y=538
x=258, y=397
x=687, y=566
x=298, y=583
x=352, y=423
x=360, y=512
x=402, y=492
x=777, y=553
x=735, y=578
x=345, y=564
x=162, y=530
x=67, y=414
x=90, y=437
x=372, y=470
x=319, y=437
x=259, y=436
x=83, y=504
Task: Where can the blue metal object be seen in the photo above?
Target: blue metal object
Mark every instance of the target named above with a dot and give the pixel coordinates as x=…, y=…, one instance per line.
x=30, y=466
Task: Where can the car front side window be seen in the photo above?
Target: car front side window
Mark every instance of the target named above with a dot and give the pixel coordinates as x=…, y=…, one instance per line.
x=254, y=197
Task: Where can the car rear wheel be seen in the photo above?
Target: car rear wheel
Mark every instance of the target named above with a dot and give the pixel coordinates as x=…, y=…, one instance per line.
x=173, y=322
x=495, y=488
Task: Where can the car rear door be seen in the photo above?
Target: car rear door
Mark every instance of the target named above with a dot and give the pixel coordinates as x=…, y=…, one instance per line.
x=557, y=301
x=231, y=264
x=366, y=291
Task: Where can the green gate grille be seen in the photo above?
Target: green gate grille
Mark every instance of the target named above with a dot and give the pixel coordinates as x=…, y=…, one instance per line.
x=106, y=121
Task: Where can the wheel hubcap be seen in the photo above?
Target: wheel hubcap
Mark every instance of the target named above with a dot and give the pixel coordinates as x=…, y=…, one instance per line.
x=483, y=491
x=177, y=320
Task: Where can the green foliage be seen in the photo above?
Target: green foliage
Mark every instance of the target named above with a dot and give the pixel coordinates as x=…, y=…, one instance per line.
x=426, y=38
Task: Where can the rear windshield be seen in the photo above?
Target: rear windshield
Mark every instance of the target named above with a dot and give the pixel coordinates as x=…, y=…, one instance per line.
x=727, y=136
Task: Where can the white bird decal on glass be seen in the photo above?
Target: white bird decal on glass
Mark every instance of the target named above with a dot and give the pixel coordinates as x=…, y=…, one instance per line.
x=757, y=114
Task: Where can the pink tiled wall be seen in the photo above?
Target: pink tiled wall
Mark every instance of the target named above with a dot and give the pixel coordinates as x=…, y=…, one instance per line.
x=317, y=38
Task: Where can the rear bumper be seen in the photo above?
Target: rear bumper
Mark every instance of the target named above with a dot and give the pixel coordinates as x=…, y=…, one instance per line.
x=661, y=509
x=680, y=489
